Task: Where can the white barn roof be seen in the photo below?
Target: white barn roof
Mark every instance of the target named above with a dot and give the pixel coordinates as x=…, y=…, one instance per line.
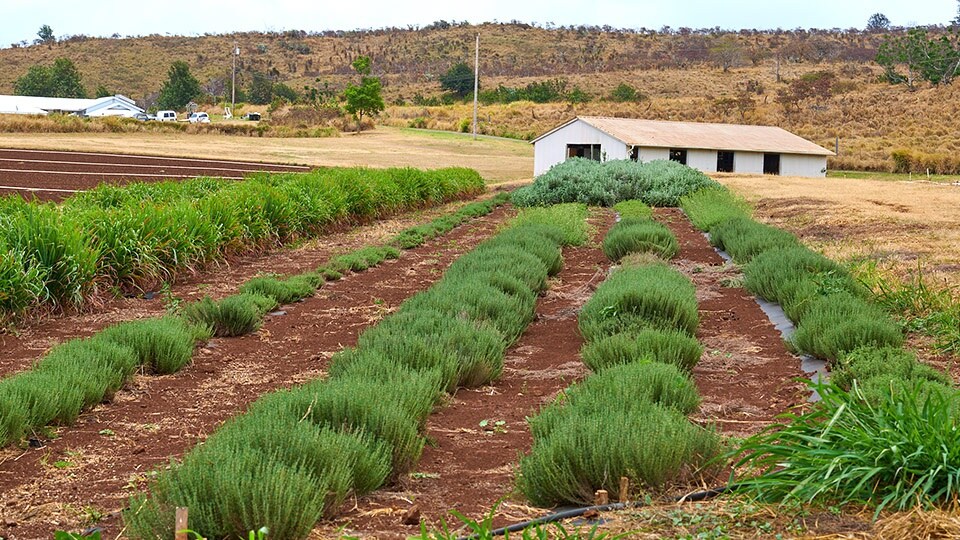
x=693, y=135
x=117, y=105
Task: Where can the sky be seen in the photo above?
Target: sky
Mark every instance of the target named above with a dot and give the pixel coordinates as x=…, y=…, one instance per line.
x=22, y=18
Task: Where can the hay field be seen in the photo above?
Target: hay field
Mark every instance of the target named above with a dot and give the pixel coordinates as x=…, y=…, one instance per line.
x=900, y=224
x=497, y=160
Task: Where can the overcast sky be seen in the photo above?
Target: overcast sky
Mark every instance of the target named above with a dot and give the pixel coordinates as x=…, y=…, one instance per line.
x=22, y=18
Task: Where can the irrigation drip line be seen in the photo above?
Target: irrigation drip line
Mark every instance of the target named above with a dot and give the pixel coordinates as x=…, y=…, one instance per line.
x=696, y=496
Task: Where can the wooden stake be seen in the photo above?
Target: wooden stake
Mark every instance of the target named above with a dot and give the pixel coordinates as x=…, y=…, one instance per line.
x=601, y=497
x=180, y=529
x=624, y=489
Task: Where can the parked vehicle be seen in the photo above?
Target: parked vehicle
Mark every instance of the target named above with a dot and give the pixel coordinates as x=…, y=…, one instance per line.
x=198, y=118
x=252, y=116
x=167, y=116
x=143, y=117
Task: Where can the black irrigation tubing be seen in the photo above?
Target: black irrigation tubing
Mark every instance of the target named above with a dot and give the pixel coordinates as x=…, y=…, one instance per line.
x=696, y=496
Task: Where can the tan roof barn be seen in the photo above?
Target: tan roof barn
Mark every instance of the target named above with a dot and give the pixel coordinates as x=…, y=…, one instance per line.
x=708, y=147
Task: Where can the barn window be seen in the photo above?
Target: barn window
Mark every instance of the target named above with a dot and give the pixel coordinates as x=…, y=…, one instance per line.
x=771, y=164
x=587, y=151
x=724, y=161
x=678, y=155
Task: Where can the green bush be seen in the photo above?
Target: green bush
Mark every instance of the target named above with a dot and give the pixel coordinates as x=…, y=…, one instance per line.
x=895, y=453
x=235, y=315
x=568, y=218
x=744, y=238
x=639, y=236
x=710, y=206
x=665, y=346
x=633, y=209
x=795, y=277
x=282, y=291
x=866, y=363
x=648, y=443
x=639, y=298
x=658, y=183
x=840, y=323
x=164, y=345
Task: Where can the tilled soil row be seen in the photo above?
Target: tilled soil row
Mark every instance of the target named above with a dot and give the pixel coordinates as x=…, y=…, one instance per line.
x=469, y=466
x=93, y=467
x=746, y=376
x=32, y=341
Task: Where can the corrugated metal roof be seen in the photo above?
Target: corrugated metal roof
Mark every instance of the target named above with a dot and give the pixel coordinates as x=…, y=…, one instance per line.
x=693, y=135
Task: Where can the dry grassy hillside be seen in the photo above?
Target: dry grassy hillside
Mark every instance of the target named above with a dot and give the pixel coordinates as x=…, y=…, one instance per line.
x=684, y=75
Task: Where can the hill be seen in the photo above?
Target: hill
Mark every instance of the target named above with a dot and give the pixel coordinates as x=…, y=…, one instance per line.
x=682, y=74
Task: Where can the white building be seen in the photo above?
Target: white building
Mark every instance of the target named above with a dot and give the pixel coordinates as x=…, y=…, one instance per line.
x=106, y=106
x=707, y=147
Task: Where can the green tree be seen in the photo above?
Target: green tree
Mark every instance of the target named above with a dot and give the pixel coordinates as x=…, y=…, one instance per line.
x=285, y=92
x=932, y=59
x=727, y=52
x=180, y=87
x=102, y=92
x=260, y=90
x=878, y=22
x=624, y=92
x=45, y=35
x=365, y=98
x=62, y=79
x=458, y=79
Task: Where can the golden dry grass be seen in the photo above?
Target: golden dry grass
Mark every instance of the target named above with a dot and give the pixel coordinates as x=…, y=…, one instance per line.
x=497, y=160
x=899, y=224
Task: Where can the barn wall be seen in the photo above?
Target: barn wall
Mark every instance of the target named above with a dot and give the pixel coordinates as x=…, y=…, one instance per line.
x=748, y=162
x=802, y=165
x=552, y=149
x=652, y=154
x=705, y=160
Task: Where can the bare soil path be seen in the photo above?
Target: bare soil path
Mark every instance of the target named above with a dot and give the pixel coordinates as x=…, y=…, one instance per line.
x=746, y=376
x=468, y=467
x=89, y=471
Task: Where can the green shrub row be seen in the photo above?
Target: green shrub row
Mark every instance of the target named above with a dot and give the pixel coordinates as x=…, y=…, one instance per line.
x=298, y=453
x=657, y=183
x=629, y=419
x=133, y=237
x=89, y=371
x=417, y=235
x=639, y=235
x=827, y=305
x=83, y=372
x=885, y=431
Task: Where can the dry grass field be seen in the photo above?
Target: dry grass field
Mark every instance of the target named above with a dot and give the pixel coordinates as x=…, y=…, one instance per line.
x=497, y=160
x=902, y=225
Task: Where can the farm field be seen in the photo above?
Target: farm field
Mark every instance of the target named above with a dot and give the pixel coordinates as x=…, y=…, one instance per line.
x=497, y=160
x=744, y=374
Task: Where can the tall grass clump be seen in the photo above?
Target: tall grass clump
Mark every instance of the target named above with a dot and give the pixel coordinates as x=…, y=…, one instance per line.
x=895, y=453
x=132, y=238
x=632, y=235
x=657, y=183
x=665, y=346
x=298, y=453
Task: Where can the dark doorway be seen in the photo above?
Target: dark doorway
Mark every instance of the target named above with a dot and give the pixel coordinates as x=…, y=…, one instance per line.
x=635, y=153
x=771, y=164
x=678, y=155
x=724, y=161
x=587, y=151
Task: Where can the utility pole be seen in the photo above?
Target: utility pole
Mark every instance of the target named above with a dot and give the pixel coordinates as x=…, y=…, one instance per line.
x=476, y=86
x=233, y=85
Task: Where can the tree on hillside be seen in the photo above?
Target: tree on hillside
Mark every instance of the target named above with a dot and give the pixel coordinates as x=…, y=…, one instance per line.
x=180, y=87
x=727, y=52
x=878, y=22
x=102, y=91
x=365, y=98
x=458, y=79
x=932, y=59
x=260, y=90
x=62, y=79
x=45, y=35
